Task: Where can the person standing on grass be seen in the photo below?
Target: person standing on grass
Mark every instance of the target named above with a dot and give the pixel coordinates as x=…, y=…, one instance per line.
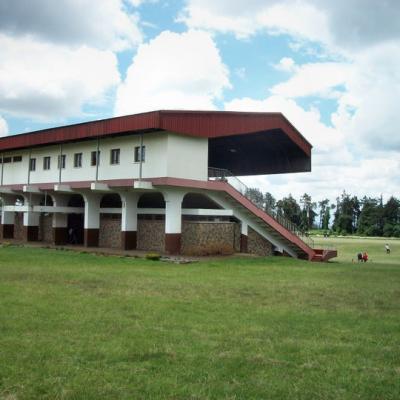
x=360, y=257
x=387, y=248
x=365, y=256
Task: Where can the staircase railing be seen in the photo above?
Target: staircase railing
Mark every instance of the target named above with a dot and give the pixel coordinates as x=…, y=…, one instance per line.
x=220, y=174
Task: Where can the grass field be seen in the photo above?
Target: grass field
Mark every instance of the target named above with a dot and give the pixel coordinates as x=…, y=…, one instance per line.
x=81, y=326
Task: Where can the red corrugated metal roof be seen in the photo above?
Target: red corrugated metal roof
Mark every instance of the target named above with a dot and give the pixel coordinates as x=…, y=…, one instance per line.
x=208, y=124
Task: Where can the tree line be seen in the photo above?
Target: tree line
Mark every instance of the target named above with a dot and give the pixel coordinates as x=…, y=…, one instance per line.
x=367, y=216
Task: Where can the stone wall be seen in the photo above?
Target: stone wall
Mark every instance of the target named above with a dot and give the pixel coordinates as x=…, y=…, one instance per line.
x=46, y=233
x=256, y=244
x=110, y=231
x=19, y=226
x=202, y=236
x=151, y=235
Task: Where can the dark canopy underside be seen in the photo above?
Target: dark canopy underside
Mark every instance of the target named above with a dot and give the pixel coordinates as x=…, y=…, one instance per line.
x=261, y=153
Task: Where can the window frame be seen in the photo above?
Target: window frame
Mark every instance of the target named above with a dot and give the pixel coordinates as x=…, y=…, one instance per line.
x=63, y=161
x=32, y=164
x=115, y=156
x=77, y=160
x=139, y=155
x=95, y=158
x=46, y=163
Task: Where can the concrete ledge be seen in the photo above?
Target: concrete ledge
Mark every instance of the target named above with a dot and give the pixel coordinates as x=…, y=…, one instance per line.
x=31, y=189
x=143, y=185
x=62, y=188
x=99, y=187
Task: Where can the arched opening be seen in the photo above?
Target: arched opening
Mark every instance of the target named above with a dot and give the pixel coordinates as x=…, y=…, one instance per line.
x=151, y=200
x=75, y=222
x=112, y=200
x=47, y=201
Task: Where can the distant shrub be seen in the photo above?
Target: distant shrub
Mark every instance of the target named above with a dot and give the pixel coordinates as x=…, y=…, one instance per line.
x=153, y=256
x=210, y=250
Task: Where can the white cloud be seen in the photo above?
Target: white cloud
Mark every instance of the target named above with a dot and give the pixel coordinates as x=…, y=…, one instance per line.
x=286, y=64
x=334, y=167
x=368, y=111
x=343, y=24
x=183, y=71
x=3, y=127
x=52, y=82
x=105, y=24
x=314, y=79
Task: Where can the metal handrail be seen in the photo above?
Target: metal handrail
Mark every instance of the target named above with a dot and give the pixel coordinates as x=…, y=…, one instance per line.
x=225, y=175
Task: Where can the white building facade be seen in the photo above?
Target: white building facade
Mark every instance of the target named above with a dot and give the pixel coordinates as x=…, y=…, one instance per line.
x=153, y=181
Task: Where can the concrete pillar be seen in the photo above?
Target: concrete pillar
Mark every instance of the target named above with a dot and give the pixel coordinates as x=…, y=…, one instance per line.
x=173, y=220
x=31, y=218
x=129, y=220
x=60, y=221
x=7, y=217
x=92, y=219
x=244, y=237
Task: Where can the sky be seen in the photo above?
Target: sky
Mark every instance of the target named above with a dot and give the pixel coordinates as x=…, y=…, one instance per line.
x=331, y=67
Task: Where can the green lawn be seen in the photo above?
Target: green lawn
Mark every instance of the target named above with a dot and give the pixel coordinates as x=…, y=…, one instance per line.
x=81, y=326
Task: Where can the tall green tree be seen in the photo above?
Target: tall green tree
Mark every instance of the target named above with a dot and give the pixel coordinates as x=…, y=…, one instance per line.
x=269, y=203
x=256, y=196
x=290, y=209
x=370, y=222
x=323, y=209
x=391, y=218
x=346, y=214
x=307, y=212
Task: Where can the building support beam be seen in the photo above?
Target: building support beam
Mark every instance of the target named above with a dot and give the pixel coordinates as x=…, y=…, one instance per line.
x=31, y=218
x=7, y=217
x=173, y=220
x=244, y=237
x=129, y=220
x=92, y=219
x=60, y=221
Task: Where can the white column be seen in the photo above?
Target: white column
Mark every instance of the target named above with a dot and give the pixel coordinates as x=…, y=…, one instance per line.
x=92, y=219
x=173, y=210
x=60, y=221
x=129, y=211
x=173, y=219
x=31, y=218
x=92, y=210
x=7, y=217
x=129, y=220
x=244, y=228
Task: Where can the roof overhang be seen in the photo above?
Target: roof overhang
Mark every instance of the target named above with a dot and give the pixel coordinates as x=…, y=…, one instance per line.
x=246, y=143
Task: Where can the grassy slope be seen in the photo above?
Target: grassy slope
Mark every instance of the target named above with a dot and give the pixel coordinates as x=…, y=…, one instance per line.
x=78, y=326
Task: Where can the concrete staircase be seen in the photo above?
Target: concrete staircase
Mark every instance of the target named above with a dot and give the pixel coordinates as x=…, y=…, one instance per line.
x=284, y=238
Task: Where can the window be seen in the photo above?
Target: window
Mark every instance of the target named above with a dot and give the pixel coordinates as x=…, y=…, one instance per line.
x=6, y=160
x=114, y=156
x=46, y=163
x=17, y=158
x=94, y=157
x=32, y=164
x=78, y=160
x=140, y=157
x=62, y=161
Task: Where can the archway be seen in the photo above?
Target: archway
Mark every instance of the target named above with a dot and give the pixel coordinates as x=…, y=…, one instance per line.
x=75, y=222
